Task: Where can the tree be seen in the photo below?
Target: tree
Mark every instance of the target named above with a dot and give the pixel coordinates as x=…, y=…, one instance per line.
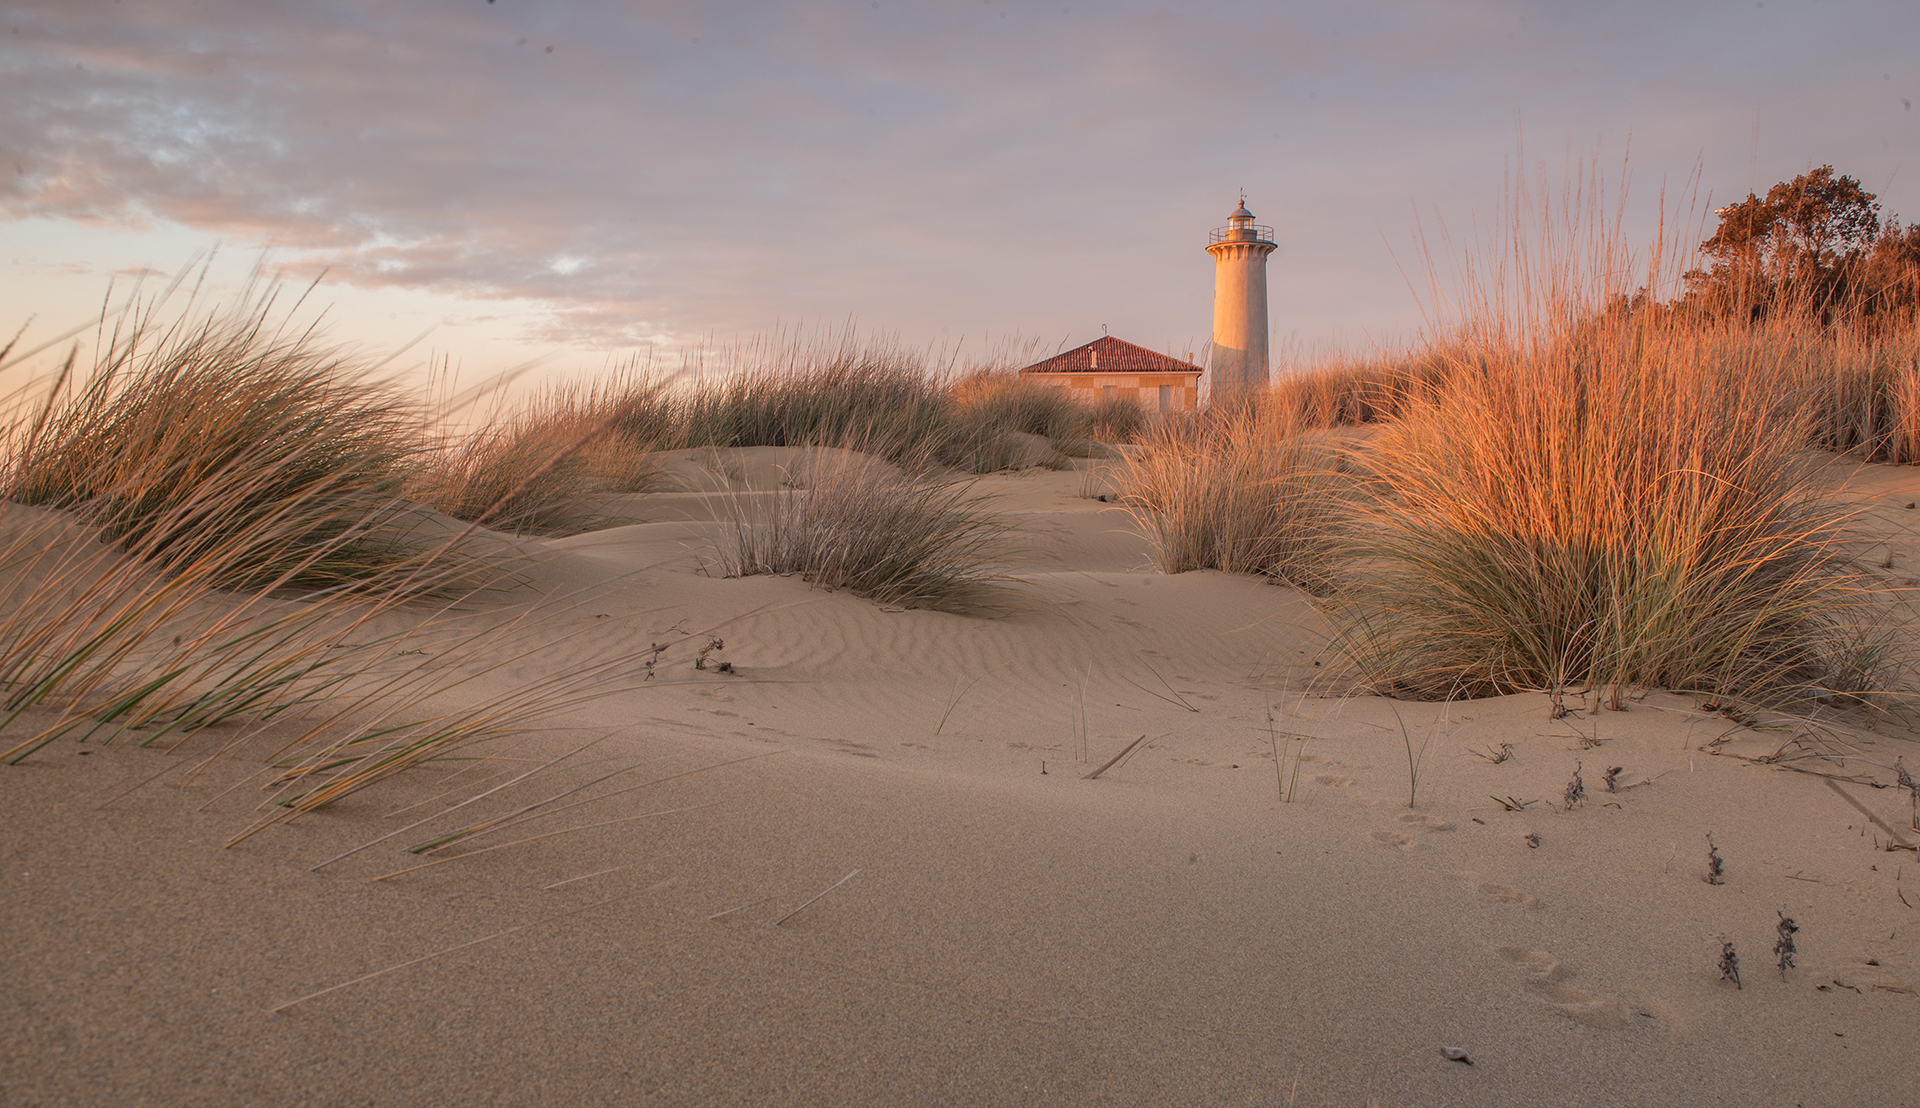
x=1798, y=248
x=1886, y=284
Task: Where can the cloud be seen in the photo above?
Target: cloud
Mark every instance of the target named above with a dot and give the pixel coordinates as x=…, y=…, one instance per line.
x=673, y=169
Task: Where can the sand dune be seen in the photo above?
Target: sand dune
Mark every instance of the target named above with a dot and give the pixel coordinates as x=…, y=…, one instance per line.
x=1172, y=932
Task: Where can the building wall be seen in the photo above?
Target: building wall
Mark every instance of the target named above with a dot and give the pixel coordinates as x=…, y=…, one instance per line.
x=1143, y=388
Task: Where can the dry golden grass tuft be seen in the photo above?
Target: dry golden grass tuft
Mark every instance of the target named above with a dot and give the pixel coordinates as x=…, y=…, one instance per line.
x=219, y=544
x=904, y=539
x=306, y=451
x=1627, y=507
x=526, y=468
x=1243, y=488
x=1589, y=492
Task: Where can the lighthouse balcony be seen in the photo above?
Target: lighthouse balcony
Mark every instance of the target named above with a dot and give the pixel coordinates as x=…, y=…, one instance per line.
x=1251, y=232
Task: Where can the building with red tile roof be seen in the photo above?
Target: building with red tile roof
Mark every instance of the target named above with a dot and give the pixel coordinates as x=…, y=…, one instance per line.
x=1108, y=367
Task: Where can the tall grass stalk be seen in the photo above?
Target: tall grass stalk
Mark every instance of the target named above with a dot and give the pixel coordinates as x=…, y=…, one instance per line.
x=1416, y=762
x=958, y=692
x=1079, y=720
x=1283, y=744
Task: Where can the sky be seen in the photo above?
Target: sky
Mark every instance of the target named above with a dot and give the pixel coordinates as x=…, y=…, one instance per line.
x=580, y=183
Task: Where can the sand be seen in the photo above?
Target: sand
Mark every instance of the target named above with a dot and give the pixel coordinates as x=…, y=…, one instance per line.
x=1172, y=932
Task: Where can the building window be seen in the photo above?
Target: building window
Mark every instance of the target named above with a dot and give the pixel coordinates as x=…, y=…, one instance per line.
x=1108, y=392
x=1166, y=398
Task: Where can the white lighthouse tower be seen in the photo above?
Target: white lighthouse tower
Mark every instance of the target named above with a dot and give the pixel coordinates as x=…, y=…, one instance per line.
x=1239, y=250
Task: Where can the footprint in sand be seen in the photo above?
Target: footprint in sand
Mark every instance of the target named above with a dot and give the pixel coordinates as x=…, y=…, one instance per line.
x=1392, y=838
x=1495, y=892
x=1506, y=894
x=1333, y=780
x=1425, y=822
x=1546, y=976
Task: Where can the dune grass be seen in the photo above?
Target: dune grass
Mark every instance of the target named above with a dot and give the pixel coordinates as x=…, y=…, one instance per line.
x=305, y=449
x=991, y=407
x=526, y=468
x=1862, y=386
x=1241, y=488
x=1601, y=498
x=903, y=539
x=1622, y=510
x=835, y=392
x=199, y=560
x=872, y=396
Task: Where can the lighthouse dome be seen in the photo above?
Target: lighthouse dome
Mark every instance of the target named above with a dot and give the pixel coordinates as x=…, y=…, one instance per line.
x=1241, y=212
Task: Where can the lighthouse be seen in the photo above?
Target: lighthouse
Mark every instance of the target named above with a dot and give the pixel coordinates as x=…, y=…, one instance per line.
x=1239, y=250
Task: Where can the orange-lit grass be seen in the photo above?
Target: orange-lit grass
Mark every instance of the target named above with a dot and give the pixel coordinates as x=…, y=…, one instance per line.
x=1861, y=387
x=1242, y=488
x=1627, y=510
x=1601, y=499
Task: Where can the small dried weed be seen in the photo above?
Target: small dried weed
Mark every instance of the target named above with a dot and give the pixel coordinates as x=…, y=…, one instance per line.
x=1576, y=788
x=1783, y=947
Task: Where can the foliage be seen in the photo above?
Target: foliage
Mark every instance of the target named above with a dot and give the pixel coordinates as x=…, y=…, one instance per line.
x=1812, y=247
x=1606, y=507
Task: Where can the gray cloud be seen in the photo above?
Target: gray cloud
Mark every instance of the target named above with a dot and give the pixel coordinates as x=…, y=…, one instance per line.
x=670, y=170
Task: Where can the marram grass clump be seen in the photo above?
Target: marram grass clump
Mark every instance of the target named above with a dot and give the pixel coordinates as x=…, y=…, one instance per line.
x=305, y=450
x=1612, y=507
x=903, y=539
x=527, y=468
x=1241, y=488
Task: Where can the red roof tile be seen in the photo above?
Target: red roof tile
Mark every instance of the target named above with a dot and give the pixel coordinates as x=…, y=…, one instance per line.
x=1114, y=356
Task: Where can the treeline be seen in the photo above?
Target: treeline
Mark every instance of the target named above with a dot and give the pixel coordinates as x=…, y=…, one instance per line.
x=1814, y=247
